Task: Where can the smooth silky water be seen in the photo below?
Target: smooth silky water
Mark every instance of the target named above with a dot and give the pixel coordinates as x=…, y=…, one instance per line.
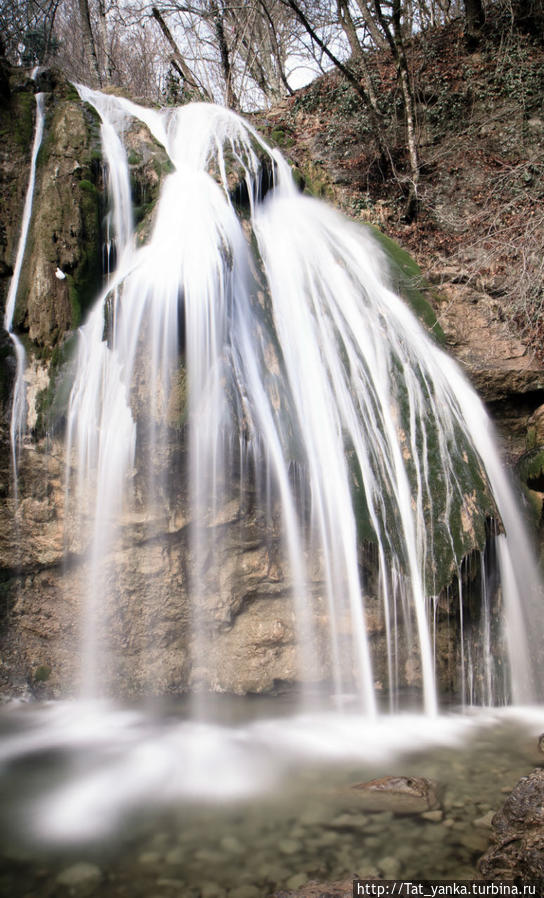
x=329, y=397
x=251, y=795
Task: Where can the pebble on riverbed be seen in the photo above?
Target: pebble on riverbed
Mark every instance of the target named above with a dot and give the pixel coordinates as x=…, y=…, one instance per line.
x=80, y=876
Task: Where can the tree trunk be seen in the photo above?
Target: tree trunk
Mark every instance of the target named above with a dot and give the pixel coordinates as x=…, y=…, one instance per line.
x=88, y=42
x=219, y=28
x=373, y=29
x=474, y=19
x=104, y=40
x=357, y=52
x=350, y=76
x=276, y=49
x=394, y=38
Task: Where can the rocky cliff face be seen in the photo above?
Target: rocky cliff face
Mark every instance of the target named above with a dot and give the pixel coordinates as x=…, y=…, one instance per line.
x=244, y=640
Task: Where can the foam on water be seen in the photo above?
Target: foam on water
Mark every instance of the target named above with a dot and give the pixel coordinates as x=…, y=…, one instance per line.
x=119, y=761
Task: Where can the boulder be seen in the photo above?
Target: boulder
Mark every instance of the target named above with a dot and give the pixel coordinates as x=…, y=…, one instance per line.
x=399, y=794
x=517, y=852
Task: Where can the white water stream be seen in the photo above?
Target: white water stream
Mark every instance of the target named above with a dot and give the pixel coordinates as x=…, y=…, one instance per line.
x=352, y=393
x=18, y=410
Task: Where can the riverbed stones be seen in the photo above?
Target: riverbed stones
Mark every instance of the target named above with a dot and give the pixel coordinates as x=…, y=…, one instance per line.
x=433, y=816
x=149, y=857
x=212, y=890
x=296, y=881
x=175, y=856
x=232, y=845
x=485, y=821
x=337, y=889
x=289, y=846
x=80, y=877
x=245, y=892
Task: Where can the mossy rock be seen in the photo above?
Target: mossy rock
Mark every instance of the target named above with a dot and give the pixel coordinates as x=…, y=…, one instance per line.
x=24, y=118
x=407, y=279
x=65, y=230
x=316, y=181
x=52, y=402
x=530, y=469
x=279, y=138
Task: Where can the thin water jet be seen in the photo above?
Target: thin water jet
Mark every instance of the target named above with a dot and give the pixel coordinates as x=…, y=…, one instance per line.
x=18, y=408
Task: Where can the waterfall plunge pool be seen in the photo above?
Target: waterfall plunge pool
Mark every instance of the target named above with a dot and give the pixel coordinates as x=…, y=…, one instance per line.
x=246, y=800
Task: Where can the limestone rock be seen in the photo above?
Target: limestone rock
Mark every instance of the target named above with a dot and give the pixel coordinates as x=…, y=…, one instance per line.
x=65, y=227
x=518, y=834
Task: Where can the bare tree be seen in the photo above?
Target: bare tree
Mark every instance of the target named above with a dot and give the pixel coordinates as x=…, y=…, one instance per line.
x=258, y=40
x=89, y=45
x=393, y=31
x=387, y=17
x=177, y=58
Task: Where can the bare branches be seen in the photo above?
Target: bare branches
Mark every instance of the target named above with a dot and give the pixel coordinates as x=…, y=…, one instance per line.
x=27, y=30
x=180, y=64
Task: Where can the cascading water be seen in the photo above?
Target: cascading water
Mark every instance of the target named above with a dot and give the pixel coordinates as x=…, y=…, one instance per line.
x=311, y=378
x=254, y=363
x=17, y=426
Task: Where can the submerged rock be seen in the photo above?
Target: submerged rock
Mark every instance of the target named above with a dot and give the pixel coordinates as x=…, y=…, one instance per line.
x=82, y=875
x=399, y=794
x=518, y=834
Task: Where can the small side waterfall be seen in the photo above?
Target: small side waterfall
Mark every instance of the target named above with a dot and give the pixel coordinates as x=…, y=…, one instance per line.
x=18, y=411
x=100, y=428
x=306, y=389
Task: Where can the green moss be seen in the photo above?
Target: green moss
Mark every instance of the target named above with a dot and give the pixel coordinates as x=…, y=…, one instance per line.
x=134, y=158
x=75, y=303
x=52, y=402
x=408, y=280
x=530, y=470
x=531, y=437
x=23, y=121
x=87, y=186
x=164, y=167
x=278, y=137
x=316, y=181
x=87, y=276
x=141, y=212
x=71, y=93
x=42, y=673
x=298, y=178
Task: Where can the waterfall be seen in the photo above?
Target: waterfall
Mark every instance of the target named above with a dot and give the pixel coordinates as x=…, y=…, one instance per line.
x=18, y=409
x=308, y=390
